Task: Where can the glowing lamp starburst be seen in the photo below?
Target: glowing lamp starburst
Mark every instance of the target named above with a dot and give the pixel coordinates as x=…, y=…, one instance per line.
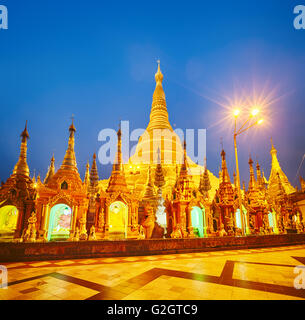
x=236, y=112
x=255, y=112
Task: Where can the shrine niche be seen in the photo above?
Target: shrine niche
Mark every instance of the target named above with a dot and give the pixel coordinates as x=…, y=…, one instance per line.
x=62, y=203
x=197, y=222
x=17, y=196
x=118, y=220
x=8, y=220
x=60, y=222
x=238, y=219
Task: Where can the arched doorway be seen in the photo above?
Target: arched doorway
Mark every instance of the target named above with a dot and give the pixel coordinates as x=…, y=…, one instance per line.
x=8, y=221
x=118, y=215
x=238, y=219
x=59, y=222
x=270, y=220
x=197, y=221
x=246, y=219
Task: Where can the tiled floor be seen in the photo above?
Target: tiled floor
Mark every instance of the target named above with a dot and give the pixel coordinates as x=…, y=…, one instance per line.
x=266, y=273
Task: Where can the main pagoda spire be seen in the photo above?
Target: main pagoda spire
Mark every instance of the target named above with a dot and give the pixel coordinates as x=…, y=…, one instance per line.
x=159, y=114
x=21, y=166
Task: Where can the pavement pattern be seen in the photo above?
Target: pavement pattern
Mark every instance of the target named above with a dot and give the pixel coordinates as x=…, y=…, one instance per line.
x=254, y=274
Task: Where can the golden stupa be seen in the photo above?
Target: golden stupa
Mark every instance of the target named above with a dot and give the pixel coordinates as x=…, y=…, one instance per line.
x=277, y=175
x=160, y=142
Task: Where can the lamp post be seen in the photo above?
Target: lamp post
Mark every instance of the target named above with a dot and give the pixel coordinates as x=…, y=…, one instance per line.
x=243, y=128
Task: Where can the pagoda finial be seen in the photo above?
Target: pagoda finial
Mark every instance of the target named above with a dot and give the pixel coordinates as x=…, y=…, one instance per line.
x=21, y=166
x=159, y=75
x=51, y=171
x=252, y=182
x=72, y=127
x=184, y=153
x=225, y=175
x=94, y=172
x=260, y=180
x=117, y=181
x=204, y=184
x=69, y=161
x=273, y=151
x=24, y=133
x=184, y=166
x=87, y=174
x=117, y=166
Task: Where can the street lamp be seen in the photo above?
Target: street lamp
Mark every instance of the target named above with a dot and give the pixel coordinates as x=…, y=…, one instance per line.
x=243, y=128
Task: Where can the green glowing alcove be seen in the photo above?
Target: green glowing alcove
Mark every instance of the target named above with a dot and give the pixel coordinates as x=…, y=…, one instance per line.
x=59, y=222
x=197, y=221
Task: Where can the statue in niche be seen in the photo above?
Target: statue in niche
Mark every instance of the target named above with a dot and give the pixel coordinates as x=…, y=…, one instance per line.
x=82, y=227
x=141, y=235
x=222, y=231
x=30, y=233
x=101, y=219
x=92, y=235
x=177, y=234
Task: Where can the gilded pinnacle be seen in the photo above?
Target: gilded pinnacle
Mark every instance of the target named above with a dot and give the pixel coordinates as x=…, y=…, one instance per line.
x=21, y=166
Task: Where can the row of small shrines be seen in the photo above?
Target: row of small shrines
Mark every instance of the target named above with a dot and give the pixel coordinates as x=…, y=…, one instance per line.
x=63, y=207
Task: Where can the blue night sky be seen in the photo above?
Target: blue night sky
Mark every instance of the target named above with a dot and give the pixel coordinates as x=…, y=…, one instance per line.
x=97, y=60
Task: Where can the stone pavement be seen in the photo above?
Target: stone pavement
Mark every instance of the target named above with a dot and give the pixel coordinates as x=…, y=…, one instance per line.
x=266, y=273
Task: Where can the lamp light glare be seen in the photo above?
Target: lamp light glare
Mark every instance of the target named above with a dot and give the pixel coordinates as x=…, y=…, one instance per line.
x=236, y=112
x=254, y=112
